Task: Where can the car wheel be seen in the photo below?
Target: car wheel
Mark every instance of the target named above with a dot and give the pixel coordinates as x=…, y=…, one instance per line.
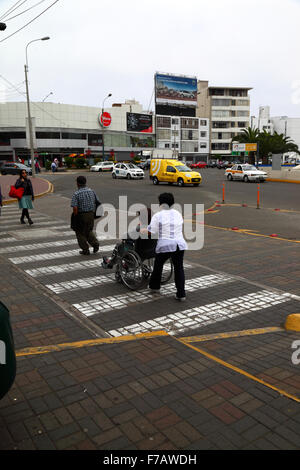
x=114, y=176
x=3, y=172
x=180, y=182
x=155, y=180
x=128, y=176
x=246, y=179
x=229, y=177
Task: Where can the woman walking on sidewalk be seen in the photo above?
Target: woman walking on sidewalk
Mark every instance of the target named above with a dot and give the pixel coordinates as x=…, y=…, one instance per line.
x=25, y=202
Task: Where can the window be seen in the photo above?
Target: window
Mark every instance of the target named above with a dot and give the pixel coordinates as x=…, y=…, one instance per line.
x=221, y=113
x=220, y=102
x=71, y=135
x=238, y=92
x=175, y=121
x=47, y=135
x=189, y=147
x=203, y=145
x=242, y=113
x=217, y=92
x=95, y=139
x=189, y=123
x=242, y=124
x=220, y=125
x=220, y=146
x=203, y=122
x=203, y=134
x=163, y=121
x=171, y=169
x=163, y=134
x=189, y=135
x=242, y=102
x=167, y=146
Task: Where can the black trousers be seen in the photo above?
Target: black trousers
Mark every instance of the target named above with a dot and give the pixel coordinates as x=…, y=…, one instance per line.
x=160, y=259
x=25, y=213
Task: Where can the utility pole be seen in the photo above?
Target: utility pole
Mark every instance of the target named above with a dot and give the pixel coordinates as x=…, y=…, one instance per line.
x=29, y=124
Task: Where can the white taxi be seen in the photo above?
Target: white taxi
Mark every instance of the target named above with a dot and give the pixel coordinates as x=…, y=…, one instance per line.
x=127, y=170
x=246, y=173
x=102, y=166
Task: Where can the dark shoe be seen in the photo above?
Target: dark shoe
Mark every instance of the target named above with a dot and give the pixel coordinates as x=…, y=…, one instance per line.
x=82, y=252
x=180, y=299
x=30, y=222
x=22, y=221
x=106, y=263
x=96, y=248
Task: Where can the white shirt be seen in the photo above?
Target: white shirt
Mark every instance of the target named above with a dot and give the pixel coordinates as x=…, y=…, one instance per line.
x=167, y=226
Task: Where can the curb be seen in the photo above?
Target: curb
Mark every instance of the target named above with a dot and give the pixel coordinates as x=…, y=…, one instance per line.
x=275, y=180
x=49, y=190
x=292, y=322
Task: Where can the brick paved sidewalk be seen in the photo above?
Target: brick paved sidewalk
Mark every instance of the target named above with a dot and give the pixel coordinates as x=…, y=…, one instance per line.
x=144, y=394
x=40, y=186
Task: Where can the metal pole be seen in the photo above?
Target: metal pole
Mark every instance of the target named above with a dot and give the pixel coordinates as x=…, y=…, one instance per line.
x=29, y=123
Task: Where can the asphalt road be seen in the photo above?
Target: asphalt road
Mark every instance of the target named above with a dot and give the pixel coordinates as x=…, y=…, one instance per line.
x=239, y=210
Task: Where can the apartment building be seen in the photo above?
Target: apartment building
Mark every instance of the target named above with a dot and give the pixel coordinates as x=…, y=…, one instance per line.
x=188, y=136
x=228, y=111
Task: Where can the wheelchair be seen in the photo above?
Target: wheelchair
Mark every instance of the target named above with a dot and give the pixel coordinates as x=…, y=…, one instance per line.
x=135, y=261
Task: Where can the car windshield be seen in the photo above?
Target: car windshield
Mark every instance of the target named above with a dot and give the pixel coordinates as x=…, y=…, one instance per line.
x=249, y=167
x=131, y=165
x=183, y=168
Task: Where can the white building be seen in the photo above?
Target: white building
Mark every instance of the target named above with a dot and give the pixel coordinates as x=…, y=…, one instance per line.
x=189, y=136
x=228, y=110
x=63, y=129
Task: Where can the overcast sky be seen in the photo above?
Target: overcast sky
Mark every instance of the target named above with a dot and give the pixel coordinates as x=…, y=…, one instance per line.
x=100, y=47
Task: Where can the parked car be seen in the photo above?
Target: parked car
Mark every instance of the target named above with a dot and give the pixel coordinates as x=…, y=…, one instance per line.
x=102, y=166
x=144, y=164
x=127, y=170
x=12, y=168
x=212, y=164
x=223, y=165
x=198, y=165
x=245, y=173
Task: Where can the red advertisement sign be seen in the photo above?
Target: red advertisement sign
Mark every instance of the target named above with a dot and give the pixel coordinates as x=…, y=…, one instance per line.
x=105, y=119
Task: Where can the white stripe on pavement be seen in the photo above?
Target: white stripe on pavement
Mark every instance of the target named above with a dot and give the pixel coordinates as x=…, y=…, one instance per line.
x=199, y=317
x=88, y=282
x=37, y=246
x=62, y=268
x=116, y=302
x=59, y=254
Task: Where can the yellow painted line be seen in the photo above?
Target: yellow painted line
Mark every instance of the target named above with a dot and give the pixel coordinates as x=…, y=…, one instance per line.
x=87, y=343
x=231, y=334
x=249, y=232
x=49, y=190
x=239, y=371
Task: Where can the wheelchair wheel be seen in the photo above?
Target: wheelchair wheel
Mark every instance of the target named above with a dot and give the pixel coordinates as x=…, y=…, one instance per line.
x=167, y=273
x=131, y=270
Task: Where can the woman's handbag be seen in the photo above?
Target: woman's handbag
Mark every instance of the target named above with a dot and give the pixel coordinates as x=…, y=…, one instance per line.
x=18, y=193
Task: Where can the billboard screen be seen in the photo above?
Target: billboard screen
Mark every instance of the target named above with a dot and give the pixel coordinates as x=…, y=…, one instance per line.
x=174, y=89
x=139, y=122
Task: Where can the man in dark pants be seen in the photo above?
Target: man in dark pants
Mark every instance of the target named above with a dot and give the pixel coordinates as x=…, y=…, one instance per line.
x=167, y=227
x=84, y=207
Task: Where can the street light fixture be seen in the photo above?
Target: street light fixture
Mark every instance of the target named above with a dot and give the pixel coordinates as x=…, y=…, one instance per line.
x=51, y=93
x=108, y=96
x=28, y=105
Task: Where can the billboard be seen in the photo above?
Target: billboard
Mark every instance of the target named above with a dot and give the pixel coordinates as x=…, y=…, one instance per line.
x=244, y=147
x=171, y=89
x=139, y=122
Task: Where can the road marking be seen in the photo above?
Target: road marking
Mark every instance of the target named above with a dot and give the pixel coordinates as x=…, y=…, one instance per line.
x=232, y=334
x=87, y=343
x=19, y=226
x=60, y=254
x=62, y=268
x=238, y=370
x=38, y=246
x=87, y=282
x=116, y=302
x=199, y=317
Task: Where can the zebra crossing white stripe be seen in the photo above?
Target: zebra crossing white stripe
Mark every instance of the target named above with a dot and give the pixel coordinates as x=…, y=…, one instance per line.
x=13, y=216
x=88, y=282
x=62, y=268
x=5, y=240
x=11, y=220
x=116, y=302
x=19, y=226
x=37, y=246
x=60, y=254
x=200, y=317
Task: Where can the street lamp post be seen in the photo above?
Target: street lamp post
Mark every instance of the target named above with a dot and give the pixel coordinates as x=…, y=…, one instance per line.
x=28, y=106
x=47, y=96
x=108, y=96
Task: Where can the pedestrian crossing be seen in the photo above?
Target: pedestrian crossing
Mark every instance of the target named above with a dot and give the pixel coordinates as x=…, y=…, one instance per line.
x=111, y=305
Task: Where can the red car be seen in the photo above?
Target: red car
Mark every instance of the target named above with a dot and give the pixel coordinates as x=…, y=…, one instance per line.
x=198, y=165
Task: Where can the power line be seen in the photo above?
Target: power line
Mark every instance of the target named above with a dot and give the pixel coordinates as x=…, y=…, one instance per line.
x=11, y=9
x=32, y=102
x=24, y=11
x=31, y=21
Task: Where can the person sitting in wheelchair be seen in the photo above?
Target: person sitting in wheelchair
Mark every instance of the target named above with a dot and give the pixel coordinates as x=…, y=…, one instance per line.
x=144, y=247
